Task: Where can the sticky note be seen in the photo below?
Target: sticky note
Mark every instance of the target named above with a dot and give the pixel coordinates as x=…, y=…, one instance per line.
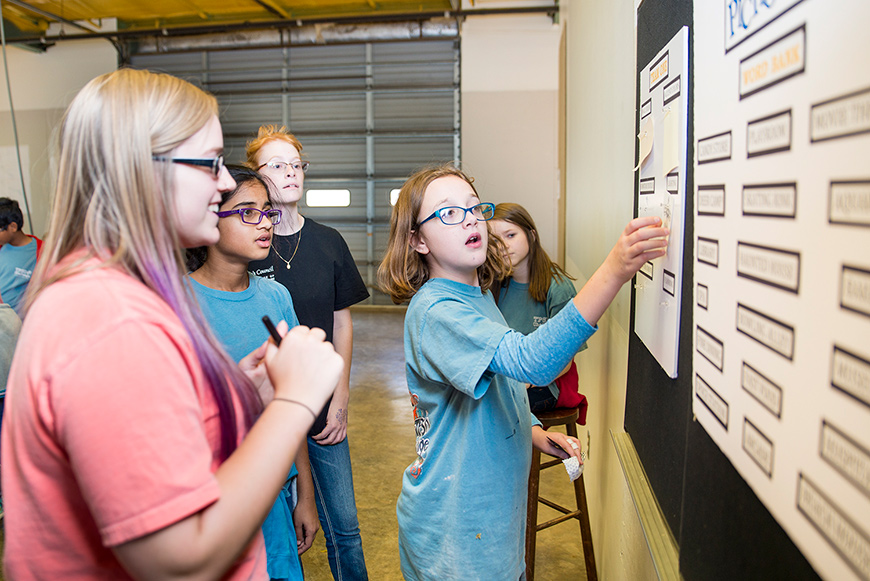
x=646, y=136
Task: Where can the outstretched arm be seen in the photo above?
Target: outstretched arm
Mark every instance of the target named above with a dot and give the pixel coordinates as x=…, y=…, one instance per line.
x=539, y=357
x=642, y=240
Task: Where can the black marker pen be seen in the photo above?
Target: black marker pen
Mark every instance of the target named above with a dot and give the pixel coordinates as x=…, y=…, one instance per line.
x=272, y=330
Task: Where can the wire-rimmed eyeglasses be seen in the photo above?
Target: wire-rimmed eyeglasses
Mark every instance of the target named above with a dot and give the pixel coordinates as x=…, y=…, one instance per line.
x=281, y=166
x=215, y=164
x=452, y=215
x=253, y=216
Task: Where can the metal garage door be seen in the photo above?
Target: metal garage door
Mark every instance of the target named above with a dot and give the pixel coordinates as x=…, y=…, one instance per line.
x=367, y=114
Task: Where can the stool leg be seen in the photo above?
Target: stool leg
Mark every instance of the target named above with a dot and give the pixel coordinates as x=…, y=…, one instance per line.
x=585, y=529
x=532, y=513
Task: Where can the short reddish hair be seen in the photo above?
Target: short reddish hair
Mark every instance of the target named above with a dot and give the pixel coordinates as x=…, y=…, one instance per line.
x=265, y=134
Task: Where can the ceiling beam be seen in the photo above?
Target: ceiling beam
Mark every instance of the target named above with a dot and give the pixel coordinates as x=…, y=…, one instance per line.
x=49, y=15
x=128, y=34
x=273, y=8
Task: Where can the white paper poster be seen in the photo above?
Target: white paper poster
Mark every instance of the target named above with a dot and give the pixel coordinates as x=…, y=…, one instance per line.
x=781, y=366
x=661, y=192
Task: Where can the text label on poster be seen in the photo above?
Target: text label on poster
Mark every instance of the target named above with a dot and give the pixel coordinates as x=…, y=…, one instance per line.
x=850, y=374
x=780, y=60
x=711, y=200
x=840, y=117
x=770, y=200
x=712, y=401
x=838, y=529
x=851, y=459
x=758, y=446
x=771, y=134
x=772, y=266
x=849, y=203
x=773, y=334
x=743, y=18
x=762, y=389
x=714, y=148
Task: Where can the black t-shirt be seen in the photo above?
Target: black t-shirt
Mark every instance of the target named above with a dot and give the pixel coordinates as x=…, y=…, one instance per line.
x=322, y=278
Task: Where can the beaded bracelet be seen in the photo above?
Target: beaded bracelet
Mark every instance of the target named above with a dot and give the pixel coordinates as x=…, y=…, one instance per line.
x=297, y=403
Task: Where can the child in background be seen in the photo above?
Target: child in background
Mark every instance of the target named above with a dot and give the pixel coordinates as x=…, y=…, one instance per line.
x=234, y=302
x=462, y=509
x=18, y=254
x=133, y=446
x=537, y=289
x=315, y=264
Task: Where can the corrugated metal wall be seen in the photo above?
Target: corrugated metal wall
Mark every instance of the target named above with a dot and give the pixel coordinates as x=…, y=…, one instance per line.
x=367, y=115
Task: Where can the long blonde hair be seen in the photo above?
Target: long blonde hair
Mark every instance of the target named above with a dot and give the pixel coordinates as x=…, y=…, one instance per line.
x=114, y=201
x=403, y=270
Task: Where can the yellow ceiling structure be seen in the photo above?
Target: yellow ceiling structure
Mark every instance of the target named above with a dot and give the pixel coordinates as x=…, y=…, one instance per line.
x=32, y=17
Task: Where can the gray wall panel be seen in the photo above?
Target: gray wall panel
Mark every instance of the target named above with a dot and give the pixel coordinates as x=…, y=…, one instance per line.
x=367, y=115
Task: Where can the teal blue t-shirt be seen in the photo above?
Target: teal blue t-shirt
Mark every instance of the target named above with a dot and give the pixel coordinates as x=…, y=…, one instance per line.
x=236, y=319
x=16, y=268
x=524, y=314
x=462, y=509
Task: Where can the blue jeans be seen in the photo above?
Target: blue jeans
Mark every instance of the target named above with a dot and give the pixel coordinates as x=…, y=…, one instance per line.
x=333, y=493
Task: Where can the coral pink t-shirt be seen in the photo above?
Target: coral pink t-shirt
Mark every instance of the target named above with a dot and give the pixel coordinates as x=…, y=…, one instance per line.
x=110, y=431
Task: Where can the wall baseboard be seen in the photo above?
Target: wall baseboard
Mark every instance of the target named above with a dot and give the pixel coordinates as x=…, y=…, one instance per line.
x=662, y=547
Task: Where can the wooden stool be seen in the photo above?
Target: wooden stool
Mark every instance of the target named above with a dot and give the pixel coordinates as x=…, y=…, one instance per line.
x=567, y=418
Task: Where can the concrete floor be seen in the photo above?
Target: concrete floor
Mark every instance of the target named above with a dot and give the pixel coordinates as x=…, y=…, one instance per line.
x=381, y=433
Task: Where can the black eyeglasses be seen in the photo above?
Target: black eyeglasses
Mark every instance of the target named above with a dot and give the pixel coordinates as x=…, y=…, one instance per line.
x=215, y=164
x=254, y=216
x=452, y=215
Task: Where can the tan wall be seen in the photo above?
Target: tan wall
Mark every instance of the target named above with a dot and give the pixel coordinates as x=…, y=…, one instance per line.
x=509, y=145
x=36, y=130
x=600, y=186
x=510, y=114
x=43, y=84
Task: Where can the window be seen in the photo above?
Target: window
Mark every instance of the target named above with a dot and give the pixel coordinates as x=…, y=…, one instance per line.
x=328, y=198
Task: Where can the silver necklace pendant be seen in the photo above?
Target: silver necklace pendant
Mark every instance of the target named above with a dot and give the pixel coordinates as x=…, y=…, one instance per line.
x=292, y=256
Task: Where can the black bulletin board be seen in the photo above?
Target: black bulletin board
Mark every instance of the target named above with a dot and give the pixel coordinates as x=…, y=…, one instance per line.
x=722, y=529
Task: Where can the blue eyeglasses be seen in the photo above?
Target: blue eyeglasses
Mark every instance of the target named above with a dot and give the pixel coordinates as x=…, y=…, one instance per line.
x=452, y=215
x=215, y=164
x=253, y=216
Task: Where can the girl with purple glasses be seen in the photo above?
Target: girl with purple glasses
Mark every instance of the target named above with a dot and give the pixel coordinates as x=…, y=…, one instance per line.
x=234, y=302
